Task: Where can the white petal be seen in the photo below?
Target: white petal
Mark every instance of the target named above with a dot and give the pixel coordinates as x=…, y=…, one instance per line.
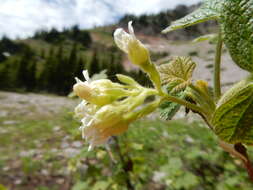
x=86, y=75
x=130, y=28
x=90, y=147
x=77, y=80
x=121, y=39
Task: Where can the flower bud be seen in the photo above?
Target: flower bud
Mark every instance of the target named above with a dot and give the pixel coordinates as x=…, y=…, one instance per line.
x=82, y=90
x=127, y=80
x=99, y=92
x=137, y=52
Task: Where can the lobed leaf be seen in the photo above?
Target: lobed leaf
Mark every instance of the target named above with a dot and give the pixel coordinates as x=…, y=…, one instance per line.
x=233, y=117
x=169, y=109
x=178, y=71
x=209, y=10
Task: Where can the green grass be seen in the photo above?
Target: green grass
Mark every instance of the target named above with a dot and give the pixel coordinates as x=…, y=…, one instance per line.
x=185, y=155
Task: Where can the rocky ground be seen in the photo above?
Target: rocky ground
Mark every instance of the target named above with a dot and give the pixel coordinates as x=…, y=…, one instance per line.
x=31, y=105
x=30, y=123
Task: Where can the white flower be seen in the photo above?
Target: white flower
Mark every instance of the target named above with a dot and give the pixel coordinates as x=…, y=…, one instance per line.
x=99, y=92
x=83, y=89
x=108, y=108
x=137, y=52
x=100, y=123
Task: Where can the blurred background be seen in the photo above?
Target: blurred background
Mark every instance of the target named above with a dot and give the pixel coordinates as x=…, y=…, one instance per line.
x=44, y=44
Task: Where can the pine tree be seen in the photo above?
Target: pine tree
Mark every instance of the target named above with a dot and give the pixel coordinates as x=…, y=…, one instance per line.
x=94, y=64
x=80, y=67
x=42, y=54
x=23, y=70
x=59, y=74
x=66, y=70
x=48, y=71
x=31, y=77
x=5, y=77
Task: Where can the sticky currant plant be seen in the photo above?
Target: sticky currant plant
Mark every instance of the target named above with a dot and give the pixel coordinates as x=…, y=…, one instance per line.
x=108, y=108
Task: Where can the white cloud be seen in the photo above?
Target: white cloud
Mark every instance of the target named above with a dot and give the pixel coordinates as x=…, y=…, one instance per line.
x=23, y=17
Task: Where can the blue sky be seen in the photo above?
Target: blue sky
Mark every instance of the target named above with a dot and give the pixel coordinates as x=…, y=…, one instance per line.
x=20, y=18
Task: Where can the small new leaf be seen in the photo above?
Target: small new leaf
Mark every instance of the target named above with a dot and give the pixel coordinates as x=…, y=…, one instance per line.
x=169, y=109
x=178, y=71
x=209, y=10
x=209, y=37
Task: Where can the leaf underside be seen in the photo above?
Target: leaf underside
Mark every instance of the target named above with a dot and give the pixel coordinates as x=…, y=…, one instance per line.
x=169, y=109
x=210, y=10
x=233, y=119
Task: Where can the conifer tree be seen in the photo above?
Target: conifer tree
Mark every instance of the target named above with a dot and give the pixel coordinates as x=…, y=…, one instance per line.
x=66, y=69
x=79, y=68
x=94, y=63
x=31, y=77
x=23, y=70
x=48, y=71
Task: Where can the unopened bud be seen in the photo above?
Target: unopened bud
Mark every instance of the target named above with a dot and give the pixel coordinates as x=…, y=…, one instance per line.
x=137, y=52
x=82, y=90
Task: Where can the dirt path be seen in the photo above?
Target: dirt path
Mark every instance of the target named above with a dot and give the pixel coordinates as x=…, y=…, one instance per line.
x=31, y=105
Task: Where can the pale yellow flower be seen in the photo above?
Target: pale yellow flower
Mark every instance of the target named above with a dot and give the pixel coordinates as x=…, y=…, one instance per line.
x=99, y=92
x=137, y=53
x=108, y=108
x=127, y=42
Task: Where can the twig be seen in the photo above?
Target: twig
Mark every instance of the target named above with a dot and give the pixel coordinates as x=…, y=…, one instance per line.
x=239, y=151
x=185, y=103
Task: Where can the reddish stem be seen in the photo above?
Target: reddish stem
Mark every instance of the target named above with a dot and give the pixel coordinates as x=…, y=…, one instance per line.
x=249, y=168
x=242, y=150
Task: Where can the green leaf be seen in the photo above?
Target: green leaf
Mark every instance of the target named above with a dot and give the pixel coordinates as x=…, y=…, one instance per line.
x=101, y=185
x=187, y=181
x=80, y=186
x=169, y=109
x=209, y=10
x=209, y=37
x=2, y=187
x=175, y=76
x=237, y=27
x=178, y=71
x=233, y=117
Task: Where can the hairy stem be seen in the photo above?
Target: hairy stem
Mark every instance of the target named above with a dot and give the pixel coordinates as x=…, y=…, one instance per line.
x=185, y=103
x=206, y=98
x=217, y=83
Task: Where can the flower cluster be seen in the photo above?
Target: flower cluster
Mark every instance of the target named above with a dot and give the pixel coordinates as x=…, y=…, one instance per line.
x=108, y=108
